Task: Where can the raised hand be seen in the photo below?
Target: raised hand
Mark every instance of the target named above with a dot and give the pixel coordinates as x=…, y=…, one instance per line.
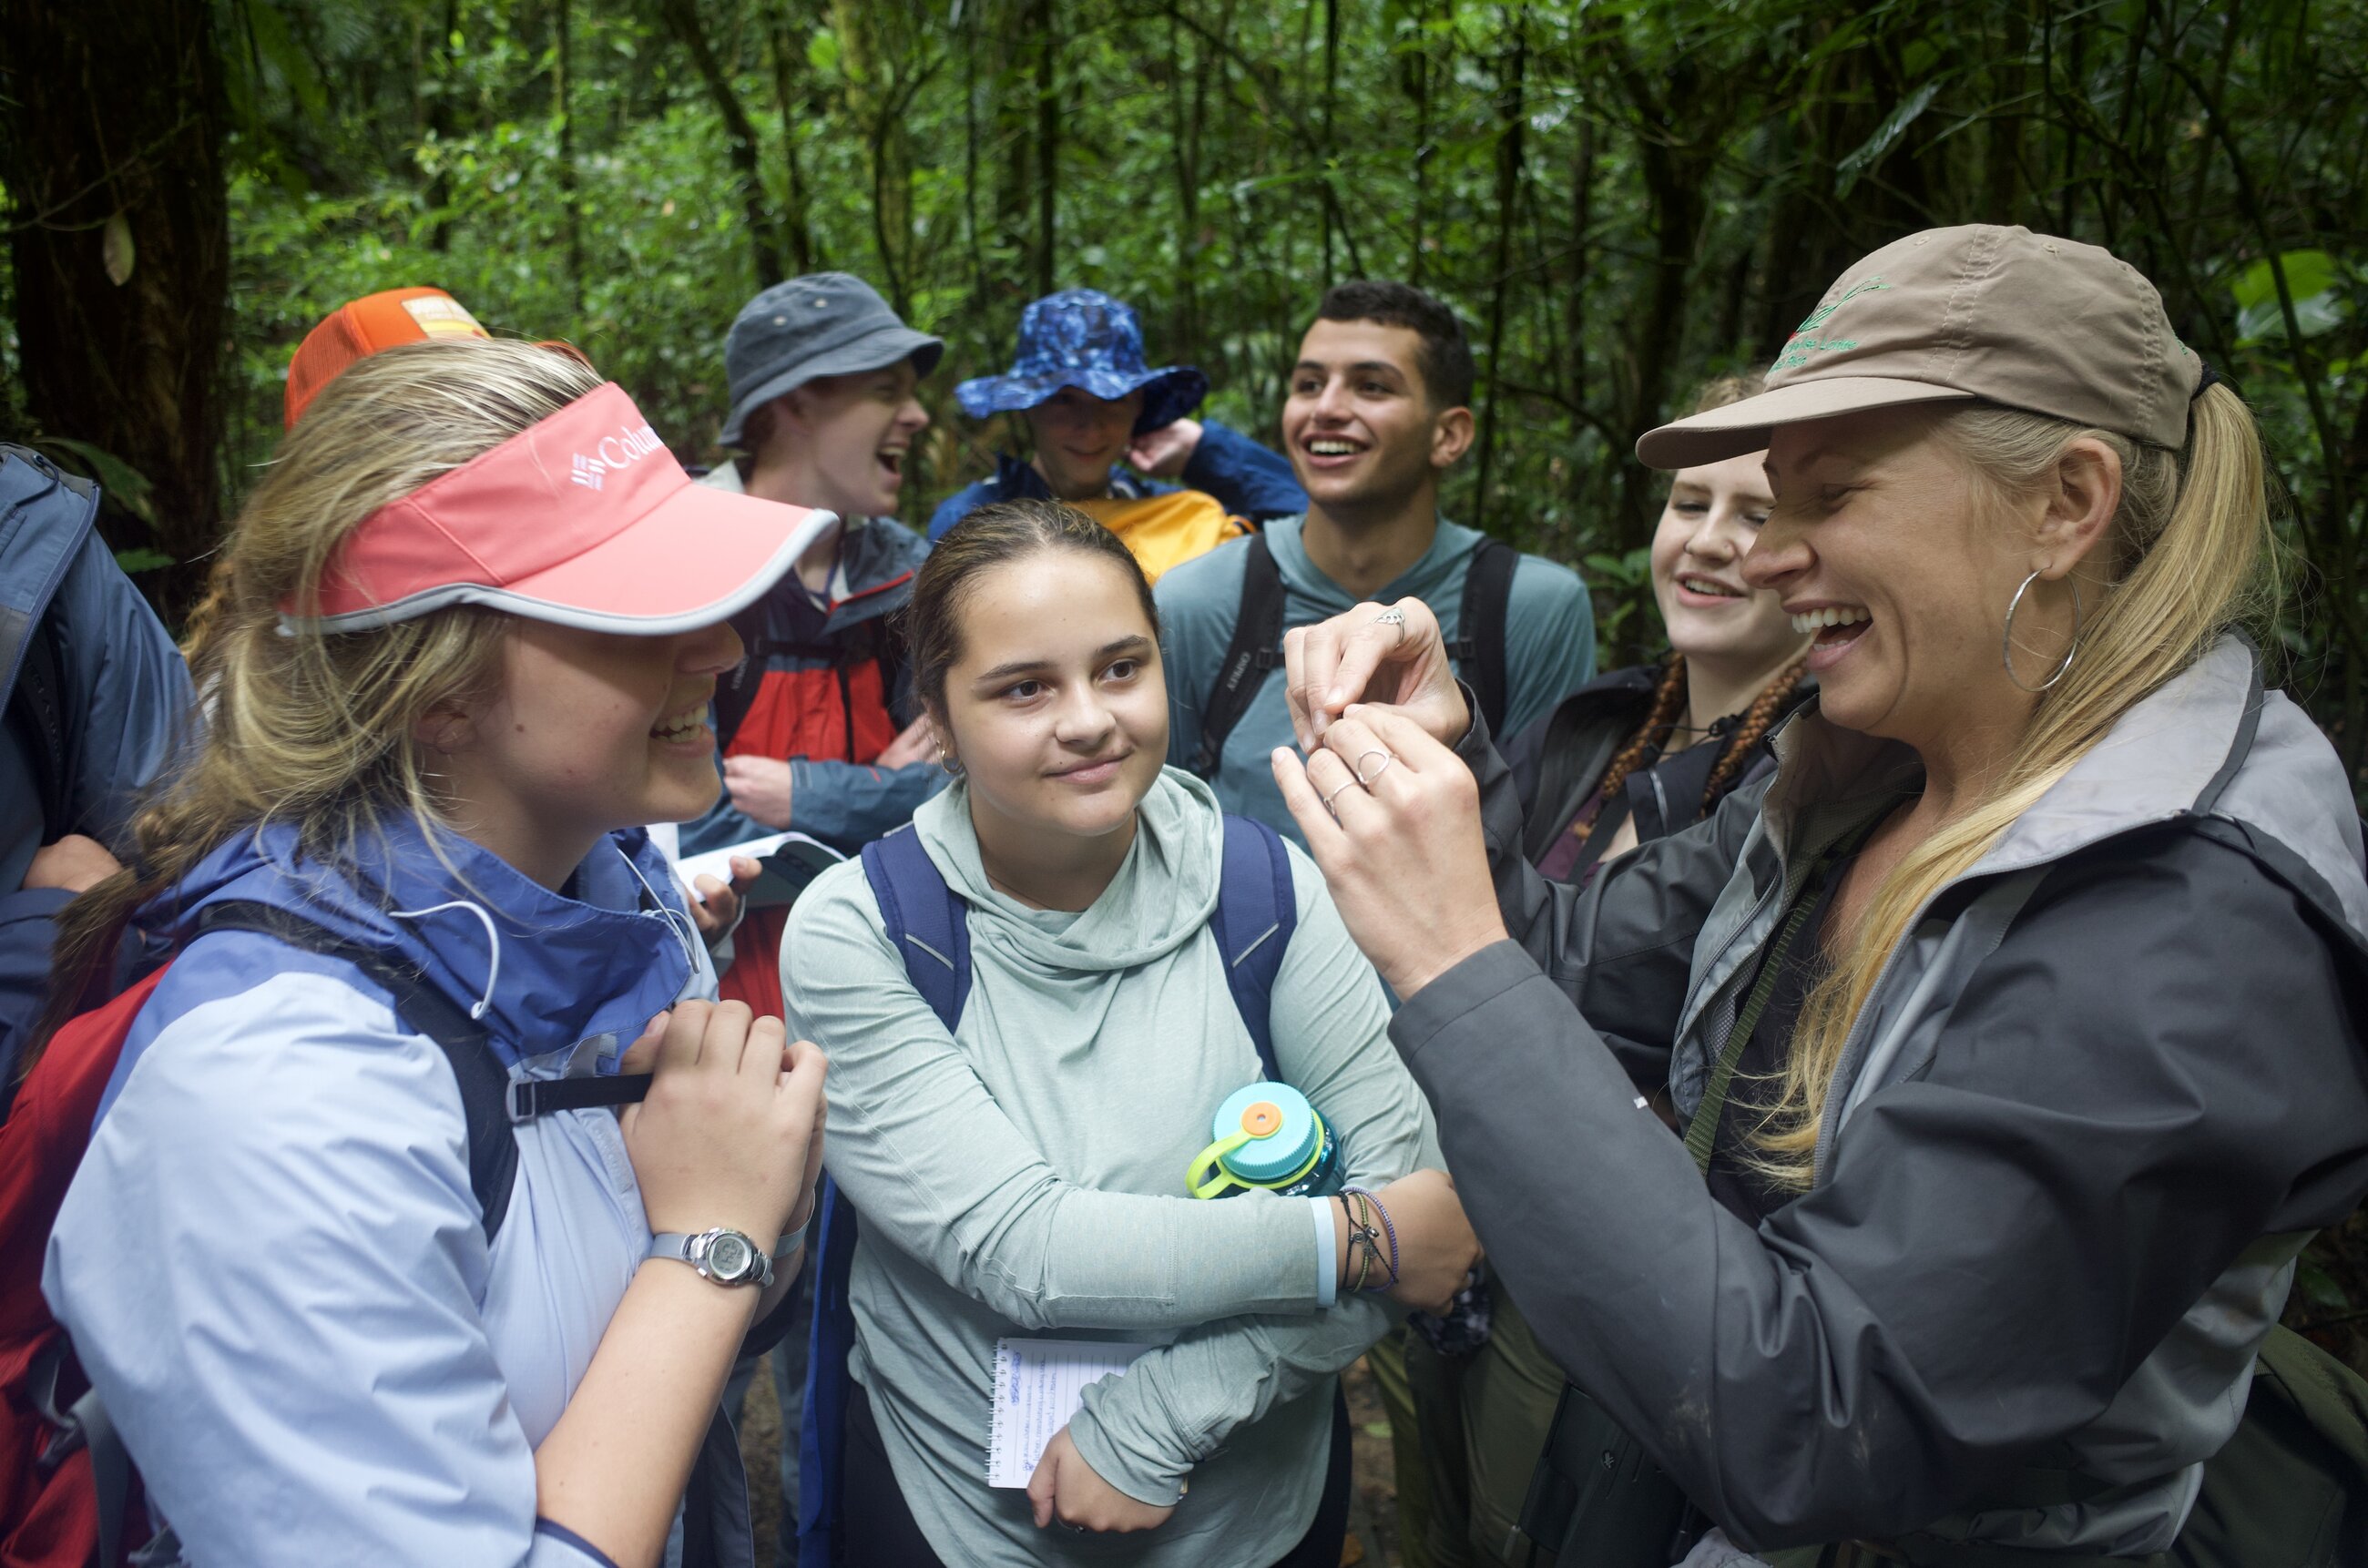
x=1378, y=654
x=730, y=1133
x=717, y=908
x=1392, y=818
x=759, y=788
x=1162, y=453
x=1436, y=1250
x=915, y=744
x=76, y=863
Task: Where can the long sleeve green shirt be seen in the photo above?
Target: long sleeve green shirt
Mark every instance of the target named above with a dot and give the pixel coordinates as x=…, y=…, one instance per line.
x=1025, y=1176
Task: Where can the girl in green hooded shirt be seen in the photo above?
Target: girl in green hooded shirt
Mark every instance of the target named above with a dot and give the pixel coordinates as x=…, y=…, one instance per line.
x=1025, y=1174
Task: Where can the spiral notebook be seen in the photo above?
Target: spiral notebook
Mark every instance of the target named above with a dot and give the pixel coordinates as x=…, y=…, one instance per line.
x=1039, y=1384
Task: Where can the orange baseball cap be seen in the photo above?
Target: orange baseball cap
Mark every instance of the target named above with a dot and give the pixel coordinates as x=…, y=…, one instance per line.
x=358, y=330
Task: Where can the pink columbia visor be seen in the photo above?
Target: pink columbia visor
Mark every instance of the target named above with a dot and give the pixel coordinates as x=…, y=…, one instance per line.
x=583, y=519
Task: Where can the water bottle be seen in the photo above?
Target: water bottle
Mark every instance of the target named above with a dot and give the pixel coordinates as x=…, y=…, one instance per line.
x=1267, y=1136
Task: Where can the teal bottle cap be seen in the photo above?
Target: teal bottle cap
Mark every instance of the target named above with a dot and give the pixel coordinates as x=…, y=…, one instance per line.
x=1282, y=1129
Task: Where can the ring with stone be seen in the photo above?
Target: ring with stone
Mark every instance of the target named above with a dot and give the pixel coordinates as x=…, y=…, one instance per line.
x=1358, y=770
x=1391, y=616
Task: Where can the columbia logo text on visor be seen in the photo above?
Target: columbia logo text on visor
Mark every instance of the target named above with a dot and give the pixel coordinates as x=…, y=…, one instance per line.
x=620, y=450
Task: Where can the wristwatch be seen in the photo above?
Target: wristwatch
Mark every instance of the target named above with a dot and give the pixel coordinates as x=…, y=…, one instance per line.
x=723, y=1255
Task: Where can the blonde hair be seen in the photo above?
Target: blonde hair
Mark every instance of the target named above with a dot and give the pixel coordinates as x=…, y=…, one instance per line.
x=2190, y=553
x=312, y=728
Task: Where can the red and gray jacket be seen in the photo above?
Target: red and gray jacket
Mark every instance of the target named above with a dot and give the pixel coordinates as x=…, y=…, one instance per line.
x=824, y=688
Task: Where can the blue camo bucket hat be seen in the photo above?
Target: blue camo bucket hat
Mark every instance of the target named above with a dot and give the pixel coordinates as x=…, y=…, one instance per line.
x=1082, y=339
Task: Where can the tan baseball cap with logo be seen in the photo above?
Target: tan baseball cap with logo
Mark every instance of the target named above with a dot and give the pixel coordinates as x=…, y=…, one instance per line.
x=1998, y=314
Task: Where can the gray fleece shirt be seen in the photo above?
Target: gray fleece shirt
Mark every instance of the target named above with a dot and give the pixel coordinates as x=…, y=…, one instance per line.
x=1025, y=1177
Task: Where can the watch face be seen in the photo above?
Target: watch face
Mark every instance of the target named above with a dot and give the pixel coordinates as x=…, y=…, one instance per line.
x=729, y=1257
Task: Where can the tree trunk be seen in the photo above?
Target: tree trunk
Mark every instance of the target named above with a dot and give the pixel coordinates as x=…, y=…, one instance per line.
x=1015, y=197
x=1513, y=118
x=739, y=139
x=1185, y=109
x=793, y=105
x=439, y=122
x=1331, y=149
x=1048, y=146
x=1418, y=86
x=2003, y=165
x=571, y=215
x=1674, y=171
x=112, y=125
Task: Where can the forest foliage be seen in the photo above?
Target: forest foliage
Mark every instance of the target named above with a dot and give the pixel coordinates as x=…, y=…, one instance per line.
x=1621, y=196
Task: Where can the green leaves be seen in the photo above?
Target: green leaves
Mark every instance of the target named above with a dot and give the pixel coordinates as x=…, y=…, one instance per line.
x=1871, y=152
x=2315, y=279
x=123, y=484
x=115, y=249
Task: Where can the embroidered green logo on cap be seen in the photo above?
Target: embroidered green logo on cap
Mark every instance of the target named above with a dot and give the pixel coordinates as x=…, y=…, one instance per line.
x=1802, y=343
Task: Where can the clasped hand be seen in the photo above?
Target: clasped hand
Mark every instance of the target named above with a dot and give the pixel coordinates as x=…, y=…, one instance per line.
x=1391, y=814
x=732, y=1131
x=1066, y=1488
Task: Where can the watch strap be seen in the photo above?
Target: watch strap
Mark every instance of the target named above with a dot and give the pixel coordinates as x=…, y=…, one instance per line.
x=692, y=1248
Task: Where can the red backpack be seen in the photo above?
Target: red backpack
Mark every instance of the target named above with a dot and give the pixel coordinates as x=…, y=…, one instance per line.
x=67, y=1486
x=49, y=1500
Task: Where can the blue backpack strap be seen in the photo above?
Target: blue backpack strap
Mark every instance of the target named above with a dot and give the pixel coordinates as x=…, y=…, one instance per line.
x=1257, y=909
x=928, y=925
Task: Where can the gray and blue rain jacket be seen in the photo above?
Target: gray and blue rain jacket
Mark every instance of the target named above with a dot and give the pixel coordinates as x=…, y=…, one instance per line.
x=271, y=1261
x=2102, y=1092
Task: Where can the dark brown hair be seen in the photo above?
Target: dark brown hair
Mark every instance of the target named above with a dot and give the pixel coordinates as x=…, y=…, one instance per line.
x=990, y=537
x=1445, y=355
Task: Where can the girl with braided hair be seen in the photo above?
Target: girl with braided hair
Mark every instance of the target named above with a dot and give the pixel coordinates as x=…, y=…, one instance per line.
x=1646, y=751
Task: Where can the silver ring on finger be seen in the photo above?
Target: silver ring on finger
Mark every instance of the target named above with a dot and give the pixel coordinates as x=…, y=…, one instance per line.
x=1387, y=757
x=1392, y=617
x=1336, y=795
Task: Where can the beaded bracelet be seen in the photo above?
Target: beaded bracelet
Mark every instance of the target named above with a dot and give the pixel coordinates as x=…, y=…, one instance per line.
x=1364, y=1232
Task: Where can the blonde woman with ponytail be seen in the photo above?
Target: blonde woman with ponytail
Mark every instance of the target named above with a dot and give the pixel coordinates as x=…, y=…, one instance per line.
x=469, y=630
x=2012, y=1029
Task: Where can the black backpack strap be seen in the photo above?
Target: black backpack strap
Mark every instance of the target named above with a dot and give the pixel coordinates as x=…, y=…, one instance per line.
x=484, y=1085
x=1479, y=646
x=1255, y=649
x=490, y=1101
x=36, y=712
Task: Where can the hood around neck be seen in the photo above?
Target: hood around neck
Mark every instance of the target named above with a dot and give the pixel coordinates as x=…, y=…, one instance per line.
x=550, y=970
x=1163, y=895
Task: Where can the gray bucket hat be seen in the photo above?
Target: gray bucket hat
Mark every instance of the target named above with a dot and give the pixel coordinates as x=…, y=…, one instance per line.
x=826, y=324
x=1951, y=316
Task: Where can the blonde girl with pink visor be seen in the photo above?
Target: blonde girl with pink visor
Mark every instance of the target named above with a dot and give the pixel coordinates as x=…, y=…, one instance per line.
x=477, y=613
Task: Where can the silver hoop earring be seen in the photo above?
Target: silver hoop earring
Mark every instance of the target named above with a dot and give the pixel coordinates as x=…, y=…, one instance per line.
x=2006, y=644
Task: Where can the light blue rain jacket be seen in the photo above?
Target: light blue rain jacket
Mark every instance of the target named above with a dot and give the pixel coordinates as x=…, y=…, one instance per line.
x=270, y=1260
